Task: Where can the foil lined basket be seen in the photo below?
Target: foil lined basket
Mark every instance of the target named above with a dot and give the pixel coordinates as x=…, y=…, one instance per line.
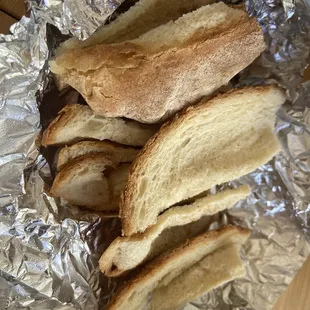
x=50, y=250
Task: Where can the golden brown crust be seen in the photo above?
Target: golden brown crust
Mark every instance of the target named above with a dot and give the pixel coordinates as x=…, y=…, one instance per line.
x=162, y=261
x=110, y=146
x=73, y=165
x=108, y=75
x=63, y=117
x=126, y=204
x=107, y=259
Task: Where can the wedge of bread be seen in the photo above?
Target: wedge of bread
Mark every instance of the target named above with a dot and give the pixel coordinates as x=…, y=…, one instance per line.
x=134, y=295
x=93, y=181
x=119, y=153
x=150, y=78
x=77, y=122
x=219, y=267
x=214, y=142
x=140, y=18
x=126, y=253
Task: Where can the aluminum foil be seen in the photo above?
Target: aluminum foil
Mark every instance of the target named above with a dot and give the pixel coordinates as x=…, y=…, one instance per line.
x=79, y=18
x=49, y=250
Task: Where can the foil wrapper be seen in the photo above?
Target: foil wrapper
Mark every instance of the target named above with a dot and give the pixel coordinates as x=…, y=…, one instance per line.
x=49, y=250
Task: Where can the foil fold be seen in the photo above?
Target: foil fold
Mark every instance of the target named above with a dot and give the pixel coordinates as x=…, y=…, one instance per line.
x=49, y=250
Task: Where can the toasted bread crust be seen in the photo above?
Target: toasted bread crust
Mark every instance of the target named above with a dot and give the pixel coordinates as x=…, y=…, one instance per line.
x=109, y=257
x=114, y=71
x=90, y=159
x=162, y=261
x=64, y=116
x=106, y=147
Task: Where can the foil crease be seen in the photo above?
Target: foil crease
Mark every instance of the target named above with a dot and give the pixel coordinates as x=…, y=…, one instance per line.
x=80, y=18
x=49, y=250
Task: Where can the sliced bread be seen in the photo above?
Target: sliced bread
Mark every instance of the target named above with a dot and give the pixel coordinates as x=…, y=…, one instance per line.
x=126, y=253
x=140, y=18
x=119, y=153
x=93, y=181
x=134, y=294
x=214, y=142
x=219, y=267
x=150, y=78
x=77, y=122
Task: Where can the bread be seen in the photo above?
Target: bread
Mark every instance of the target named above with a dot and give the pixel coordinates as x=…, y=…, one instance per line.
x=151, y=77
x=214, y=142
x=77, y=122
x=126, y=253
x=140, y=18
x=118, y=152
x=134, y=295
x=219, y=267
x=93, y=181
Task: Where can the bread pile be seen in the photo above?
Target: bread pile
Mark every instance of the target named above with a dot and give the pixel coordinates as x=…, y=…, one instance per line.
x=156, y=59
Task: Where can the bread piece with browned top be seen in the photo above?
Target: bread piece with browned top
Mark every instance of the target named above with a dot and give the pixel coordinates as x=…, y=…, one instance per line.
x=173, y=227
x=151, y=77
x=162, y=270
x=76, y=122
x=119, y=153
x=140, y=18
x=94, y=181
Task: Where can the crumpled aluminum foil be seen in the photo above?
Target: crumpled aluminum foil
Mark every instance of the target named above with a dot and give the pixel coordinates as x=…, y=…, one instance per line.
x=49, y=250
x=77, y=17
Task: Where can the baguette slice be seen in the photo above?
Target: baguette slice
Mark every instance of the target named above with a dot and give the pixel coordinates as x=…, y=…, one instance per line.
x=93, y=181
x=76, y=122
x=219, y=267
x=214, y=142
x=118, y=152
x=150, y=78
x=173, y=227
x=134, y=295
x=140, y=18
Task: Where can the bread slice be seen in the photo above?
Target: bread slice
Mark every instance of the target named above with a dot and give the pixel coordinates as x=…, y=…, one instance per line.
x=140, y=18
x=119, y=153
x=216, y=141
x=219, y=267
x=126, y=253
x=134, y=295
x=150, y=78
x=93, y=181
x=77, y=122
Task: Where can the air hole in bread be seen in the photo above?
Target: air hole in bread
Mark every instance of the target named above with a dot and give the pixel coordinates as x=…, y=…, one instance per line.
x=106, y=172
x=186, y=142
x=143, y=186
x=113, y=267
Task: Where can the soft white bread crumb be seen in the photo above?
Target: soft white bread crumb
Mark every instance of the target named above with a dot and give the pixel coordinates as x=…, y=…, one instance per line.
x=214, y=142
x=118, y=152
x=173, y=227
x=134, y=295
x=217, y=268
x=76, y=122
x=92, y=181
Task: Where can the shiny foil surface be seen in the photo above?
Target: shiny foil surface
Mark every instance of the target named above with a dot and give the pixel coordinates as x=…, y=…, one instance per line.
x=49, y=250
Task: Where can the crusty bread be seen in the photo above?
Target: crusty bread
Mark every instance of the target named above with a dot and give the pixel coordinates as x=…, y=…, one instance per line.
x=119, y=153
x=151, y=77
x=134, y=295
x=93, y=181
x=140, y=18
x=77, y=122
x=126, y=253
x=214, y=142
x=217, y=268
